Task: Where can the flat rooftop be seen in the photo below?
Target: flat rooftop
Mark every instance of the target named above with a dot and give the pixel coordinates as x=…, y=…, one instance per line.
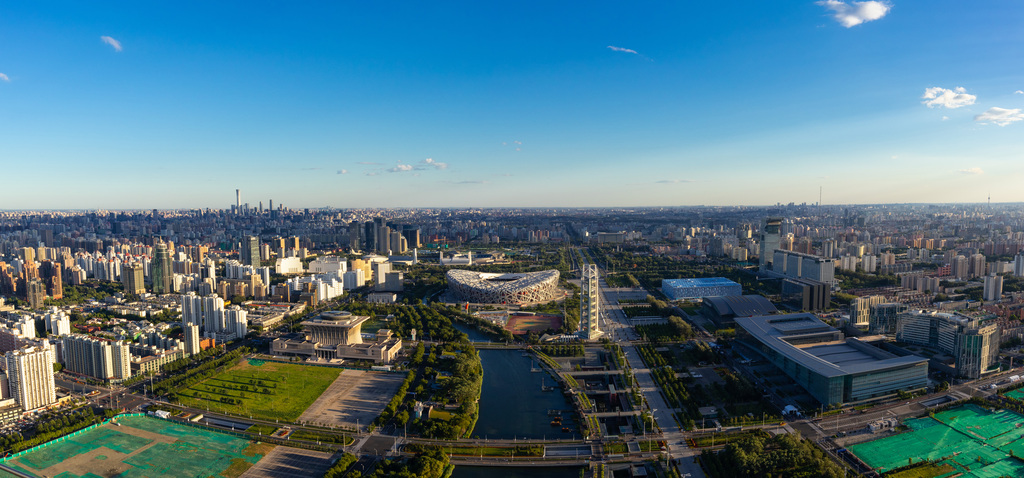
x=700, y=282
x=820, y=347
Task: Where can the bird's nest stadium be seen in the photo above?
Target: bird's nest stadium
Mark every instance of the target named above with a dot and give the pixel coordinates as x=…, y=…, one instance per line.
x=491, y=288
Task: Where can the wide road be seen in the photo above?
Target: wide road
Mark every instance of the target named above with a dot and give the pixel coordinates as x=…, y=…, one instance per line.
x=617, y=327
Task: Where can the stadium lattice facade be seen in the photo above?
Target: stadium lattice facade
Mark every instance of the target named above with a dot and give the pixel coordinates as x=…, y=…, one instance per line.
x=491, y=288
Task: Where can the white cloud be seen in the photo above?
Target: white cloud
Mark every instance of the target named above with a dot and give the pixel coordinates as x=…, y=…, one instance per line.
x=674, y=181
x=370, y=163
x=112, y=42
x=945, y=118
x=854, y=13
x=955, y=98
x=1019, y=92
x=623, y=50
x=4, y=77
x=342, y=171
x=400, y=168
x=429, y=162
x=1000, y=116
x=972, y=171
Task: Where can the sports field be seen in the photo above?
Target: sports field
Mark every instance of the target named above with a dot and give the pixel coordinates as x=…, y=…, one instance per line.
x=142, y=447
x=975, y=441
x=267, y=390
x=523, y=324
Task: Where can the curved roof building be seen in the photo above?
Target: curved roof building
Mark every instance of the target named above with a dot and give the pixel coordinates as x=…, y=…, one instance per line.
x=491, y=288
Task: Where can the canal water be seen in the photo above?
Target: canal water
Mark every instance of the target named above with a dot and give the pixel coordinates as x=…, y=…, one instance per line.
x=474, y=334
x=512, y=472
x=512, y=403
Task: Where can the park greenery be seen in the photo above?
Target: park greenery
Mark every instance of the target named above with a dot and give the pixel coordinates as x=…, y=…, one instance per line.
x=432, y=462
x=48, y=428
x=446, y=376
x=268, y=391
x=197, y=371
x=782, y=455
x=674, y=330
x=341, y=466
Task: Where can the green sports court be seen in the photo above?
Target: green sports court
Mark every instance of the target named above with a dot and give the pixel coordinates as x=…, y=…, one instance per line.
x=976, y=441
x=140, y=446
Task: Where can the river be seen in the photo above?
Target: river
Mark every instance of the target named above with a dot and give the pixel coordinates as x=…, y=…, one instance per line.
x=512, y=403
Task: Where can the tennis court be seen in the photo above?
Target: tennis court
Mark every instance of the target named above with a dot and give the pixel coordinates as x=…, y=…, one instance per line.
x=976, y=441
x=140, y=446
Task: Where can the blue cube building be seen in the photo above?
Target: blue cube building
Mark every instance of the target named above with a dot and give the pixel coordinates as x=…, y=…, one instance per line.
x=699, y=288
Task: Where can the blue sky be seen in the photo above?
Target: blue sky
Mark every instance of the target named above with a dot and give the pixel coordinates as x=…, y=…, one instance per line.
x=176, y=104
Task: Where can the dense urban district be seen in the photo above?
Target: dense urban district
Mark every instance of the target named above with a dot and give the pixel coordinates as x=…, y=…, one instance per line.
x=790, y=340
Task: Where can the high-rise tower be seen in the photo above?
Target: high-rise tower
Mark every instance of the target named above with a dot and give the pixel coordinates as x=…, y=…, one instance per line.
x=160, y=269
x=250, y=251
x=590, y=303
x=30, y=376
x=769, y=239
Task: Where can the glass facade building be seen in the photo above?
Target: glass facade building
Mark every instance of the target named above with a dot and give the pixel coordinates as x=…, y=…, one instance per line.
x=832, y=368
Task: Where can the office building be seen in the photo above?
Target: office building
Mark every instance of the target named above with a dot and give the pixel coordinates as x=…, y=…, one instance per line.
x=250, y=251
x=804, y=266
x=30, y=376
x=160, y=269
x=833, y=368
x=1018, y=265
x=973, y=343
x=860, y=309
x=769, y=240
x=806, y=294
x=133, y=278
x=679, y=289
x=883, y=318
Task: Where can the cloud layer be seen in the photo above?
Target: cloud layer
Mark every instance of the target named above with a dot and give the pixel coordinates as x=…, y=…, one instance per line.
x=941, y=97
x=972, y=171
x=112, y=42
x=1000, y=116
x=855, y=13
x=4, y=77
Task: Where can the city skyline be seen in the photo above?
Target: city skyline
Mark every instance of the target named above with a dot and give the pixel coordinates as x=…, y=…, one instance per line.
x=463, y=105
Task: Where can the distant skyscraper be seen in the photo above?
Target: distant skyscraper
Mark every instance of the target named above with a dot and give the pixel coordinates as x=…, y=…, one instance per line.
x=1018, y=265
x=161, y=269
x=250, y=251
x=30, y=376
x=769, y=239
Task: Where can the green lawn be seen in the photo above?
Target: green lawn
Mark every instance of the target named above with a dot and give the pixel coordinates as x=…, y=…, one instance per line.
x=269, y=391
x=930, y=470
